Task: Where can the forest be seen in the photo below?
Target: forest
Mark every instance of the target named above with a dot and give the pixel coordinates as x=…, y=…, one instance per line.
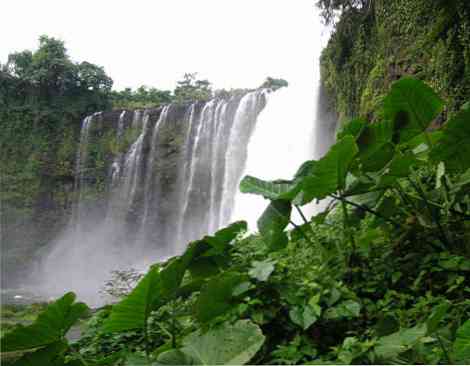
x=378, y=275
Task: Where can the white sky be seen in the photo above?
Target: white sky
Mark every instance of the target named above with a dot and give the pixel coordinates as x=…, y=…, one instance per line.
x=233, y=43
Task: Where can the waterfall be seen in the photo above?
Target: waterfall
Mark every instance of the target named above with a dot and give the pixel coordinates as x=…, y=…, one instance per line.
x=147, y=183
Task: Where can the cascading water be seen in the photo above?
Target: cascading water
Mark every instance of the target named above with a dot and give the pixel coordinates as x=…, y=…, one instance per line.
x=171, y=178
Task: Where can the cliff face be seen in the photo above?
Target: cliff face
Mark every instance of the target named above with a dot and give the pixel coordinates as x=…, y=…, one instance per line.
x=369, y=49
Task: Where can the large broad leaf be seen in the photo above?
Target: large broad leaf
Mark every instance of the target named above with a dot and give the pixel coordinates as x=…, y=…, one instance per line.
x=412, y=106
x=160, y=286
x=157, y=287
x=222, y=238
x=399, y=167
x=345, y=309
x=51, y=355
x=262, y=270
x=376, y=148
x=353, y=128
x=437, y=315
x=390, y=346
x=454, y=146
x=176, y=357
x=50, y=326
x=227, y=344
x=461, y=349
x=328, y=175
x=305, y=316
x=272, y=190
x=272, y=223
x=133, y=311
x=217, y=295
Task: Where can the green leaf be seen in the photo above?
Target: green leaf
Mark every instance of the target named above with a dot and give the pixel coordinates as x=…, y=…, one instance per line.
x=51, y=355
x=227, y=344
x=133, y=311
x=222, y=238
x=438, y=313
x=461, y=348
x=176, y=357
x=50, y=326
x=399, y=167
x=158, y=287
x=352, y=128
x=345, y=309
x=273, y=221
x=328, y=175
x=375, y=146
x=454, y=147
x=394, y=344
x=412, y=106
x=262, y=270
x=305, y=316
x=216, y=296
x=275, y=190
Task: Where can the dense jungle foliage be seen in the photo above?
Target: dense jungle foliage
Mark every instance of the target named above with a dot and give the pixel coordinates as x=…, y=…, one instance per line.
x=380, y=276
x=376, y=42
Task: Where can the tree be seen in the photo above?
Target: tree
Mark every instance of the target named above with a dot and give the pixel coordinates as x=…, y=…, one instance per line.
x=332, y=8
x=192, y=89
x=274, y=83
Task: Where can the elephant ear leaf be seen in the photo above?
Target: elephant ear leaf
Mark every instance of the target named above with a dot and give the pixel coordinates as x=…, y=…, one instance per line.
x=272, y=223
x=411, y=105
x=272, y=190
x=51, y=355
x=226, y=344
x=462, y=344
x=454, y=147
x=133, y=311
x=326, y=176
x=50, y=326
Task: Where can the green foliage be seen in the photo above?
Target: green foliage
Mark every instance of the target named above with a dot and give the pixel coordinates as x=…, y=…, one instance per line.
x=453, y=147
x=375, y=45
x=412, y=106
x=227, y=344
x=274, y=84
x=380, y=277
x=389, y=347
x=142, y=97
x=192, y=89
x=461, y=347
x=134, y=310
x=50, y=326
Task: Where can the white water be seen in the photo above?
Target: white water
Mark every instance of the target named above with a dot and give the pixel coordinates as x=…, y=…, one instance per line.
x=285, y=134
x=216, y=153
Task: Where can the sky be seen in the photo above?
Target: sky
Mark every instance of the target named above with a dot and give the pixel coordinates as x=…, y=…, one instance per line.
x=232, y=43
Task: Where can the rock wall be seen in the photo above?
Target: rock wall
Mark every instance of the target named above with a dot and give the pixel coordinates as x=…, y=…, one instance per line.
x=428, y=39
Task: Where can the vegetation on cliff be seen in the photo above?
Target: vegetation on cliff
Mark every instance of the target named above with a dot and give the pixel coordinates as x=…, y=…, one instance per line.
x=381, y=276
x=376, y=42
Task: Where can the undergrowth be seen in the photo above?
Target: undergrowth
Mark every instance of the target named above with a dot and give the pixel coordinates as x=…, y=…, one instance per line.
x=380, y=276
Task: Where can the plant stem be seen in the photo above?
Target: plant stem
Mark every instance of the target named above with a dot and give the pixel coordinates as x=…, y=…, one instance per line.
x=301, y=214
x=146, y=341
x=304, y=234
x=304, y=218
x=366, y=209
x=436, y=219
x=347, y=232
x=446, y=354
x=82, y=360
x=173, y=326
x=457, y=212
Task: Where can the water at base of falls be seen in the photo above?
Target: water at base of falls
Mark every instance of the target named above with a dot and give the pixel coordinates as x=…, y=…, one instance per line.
x=173, y=182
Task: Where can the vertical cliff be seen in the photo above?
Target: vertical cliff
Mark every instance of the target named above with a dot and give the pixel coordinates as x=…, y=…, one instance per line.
x=372, y=47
